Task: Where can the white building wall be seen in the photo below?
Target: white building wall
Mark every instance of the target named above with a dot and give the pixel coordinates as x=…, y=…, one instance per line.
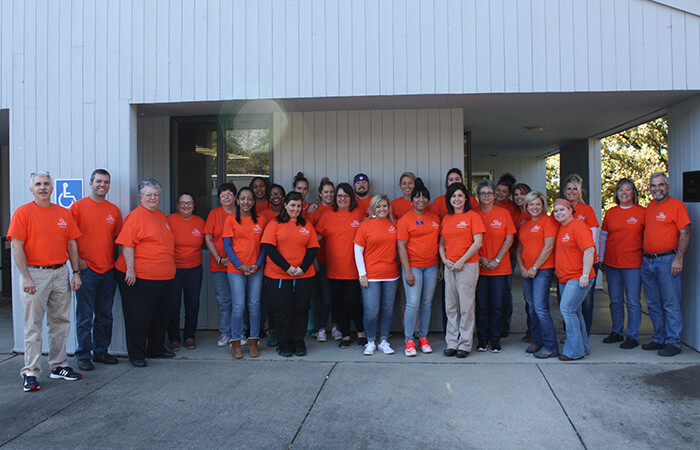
x=683, y=156
x=531, y=171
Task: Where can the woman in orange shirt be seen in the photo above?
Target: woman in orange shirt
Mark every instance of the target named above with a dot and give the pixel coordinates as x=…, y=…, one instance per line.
x=461, y=233
x=573, y=192
x=322, y=294
x=402, y=205
x=145, y=272
x=520, y=190
x=494, y=267
x=375, y=258
x=621, y=251
x=536, y=260
x=275, y=202
x=418, y=233
x=242, y=234
x=214, y=238
x=260, y=188
x=290, y=244
x=188, y=231
x=338, y=229
x=574, y=256
x=301, y=185
x=454, y=175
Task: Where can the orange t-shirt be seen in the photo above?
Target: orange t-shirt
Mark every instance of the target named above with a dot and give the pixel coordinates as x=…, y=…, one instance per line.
x=499, y=224
x=572, y=239
x=268, y=214
x=338, y=230
x=422, y=234
x=260, y=207
x=585, y=214
x=458, y=231
x=625, y=227
x=215, y=227
x=100, y=224
x=149, y=234
x=45, y=232
x=363, y=204
x=440, y=207
x=245, y=239
x=511, y=208
x=189, y=236
x=663, y=224
x=401, y=206
x=291, y=241
x=378, y=237
x=313, y=219
x=521, y=219
x=532, y=235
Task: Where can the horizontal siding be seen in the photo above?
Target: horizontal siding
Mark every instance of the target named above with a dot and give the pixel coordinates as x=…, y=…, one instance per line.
x=530, y=171
x=382, y=144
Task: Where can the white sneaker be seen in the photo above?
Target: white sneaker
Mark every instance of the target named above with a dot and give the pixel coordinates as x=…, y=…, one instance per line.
x=385, y=347
x=321, y=335
x=337, y=335
x=370, y=348
x=223, y=340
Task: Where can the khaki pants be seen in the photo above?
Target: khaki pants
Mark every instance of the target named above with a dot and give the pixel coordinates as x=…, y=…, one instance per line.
x=460, y=288
x=52, y=298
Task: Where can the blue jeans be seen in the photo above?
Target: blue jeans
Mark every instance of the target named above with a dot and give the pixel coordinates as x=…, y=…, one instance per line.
x=588, y=303
x=222, y=291
x=663, y=295
x=243, y=287
x=94, y=299
x=419, y=296
x=490, y=296
x=621, y=282
x=508, y=297
x=378, y=303
x=189, y=281
x=572, y=297
x=536, y=292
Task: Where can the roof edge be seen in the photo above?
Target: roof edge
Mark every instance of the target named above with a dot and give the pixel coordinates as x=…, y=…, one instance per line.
x=688, y=6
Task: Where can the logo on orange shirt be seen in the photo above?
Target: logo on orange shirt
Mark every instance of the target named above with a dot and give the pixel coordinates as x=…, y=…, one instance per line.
x=355, y=223
x=436, y=225
x=632, y=220
x=661, y=217
x=463, y=224
x=495, y=223
x=580, y=217
x=62, y=223
x=392, y=229
x=257, y=229
x=566, y=238
x=167, y=226
x=304, y=231
x=110, y=219
x=535, y=229
x=196, y=232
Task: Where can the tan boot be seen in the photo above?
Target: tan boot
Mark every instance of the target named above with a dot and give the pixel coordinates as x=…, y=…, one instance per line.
x=236, y=349
x=254, y=347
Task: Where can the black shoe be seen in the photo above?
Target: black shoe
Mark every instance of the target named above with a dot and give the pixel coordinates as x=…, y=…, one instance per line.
x=482, y=346
x=669, y=350
x=65, y=373
x=505, y=334
x=300, y=351
x=30, y=383
x=652, y=346
x=138, y=363
x=462, y=353
x=495, y=347
x=612, y=338
x=345, y=343
x=629, y=343
x=285, y=352
x=362, y=341
x=449, y=352
x=533, y=348
x=85, y=364
x=105, y=359
x=165, y=355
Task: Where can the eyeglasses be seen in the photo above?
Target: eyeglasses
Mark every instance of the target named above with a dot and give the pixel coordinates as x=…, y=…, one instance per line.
x=486, y=194
x=152, y=195
x=185, y=203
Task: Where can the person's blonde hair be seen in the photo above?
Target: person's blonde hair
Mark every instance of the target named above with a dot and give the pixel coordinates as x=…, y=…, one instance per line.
x=375, y=201
x=410, y=175
x=577, y=181
x=534, y=195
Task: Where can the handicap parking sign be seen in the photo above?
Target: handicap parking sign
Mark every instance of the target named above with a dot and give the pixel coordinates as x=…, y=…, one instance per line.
x=68, y=191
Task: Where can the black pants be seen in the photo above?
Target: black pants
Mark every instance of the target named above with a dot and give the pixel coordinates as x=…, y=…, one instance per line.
x=290, y=300
x=347, y=302
x=189, y=281
x=147, y=306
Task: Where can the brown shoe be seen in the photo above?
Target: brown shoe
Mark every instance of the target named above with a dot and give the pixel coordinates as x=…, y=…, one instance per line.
x=175, y=346
x=253, y=347
x=236, y=348
x=190, y=344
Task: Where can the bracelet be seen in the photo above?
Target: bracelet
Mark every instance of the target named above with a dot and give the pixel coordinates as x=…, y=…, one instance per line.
x=584, y=276
x=498, y=261
x=76, y=272
x=219, y=259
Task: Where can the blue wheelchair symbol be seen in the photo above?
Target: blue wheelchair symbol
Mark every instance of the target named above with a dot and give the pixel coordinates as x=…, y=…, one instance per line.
x=68, y=192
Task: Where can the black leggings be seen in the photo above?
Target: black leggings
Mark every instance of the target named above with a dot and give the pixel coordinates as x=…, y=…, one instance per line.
x=347, y=302
x=290, y=300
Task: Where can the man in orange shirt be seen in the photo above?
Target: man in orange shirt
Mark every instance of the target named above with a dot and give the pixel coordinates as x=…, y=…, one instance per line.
x=361, y=186
x=43, y=237
x=100, y=222
x=666, y=239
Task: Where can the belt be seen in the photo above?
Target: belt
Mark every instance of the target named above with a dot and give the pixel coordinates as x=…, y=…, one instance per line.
x=658, y=255
x=52, y=267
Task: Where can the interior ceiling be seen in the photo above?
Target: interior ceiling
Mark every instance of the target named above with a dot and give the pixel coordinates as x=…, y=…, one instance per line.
x=498, y=122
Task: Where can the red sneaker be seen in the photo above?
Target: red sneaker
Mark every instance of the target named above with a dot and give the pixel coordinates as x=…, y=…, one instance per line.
x=410, y=349
x=424, y=345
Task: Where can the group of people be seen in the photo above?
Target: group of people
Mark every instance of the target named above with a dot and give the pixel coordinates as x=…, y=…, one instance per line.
x=274, y=256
